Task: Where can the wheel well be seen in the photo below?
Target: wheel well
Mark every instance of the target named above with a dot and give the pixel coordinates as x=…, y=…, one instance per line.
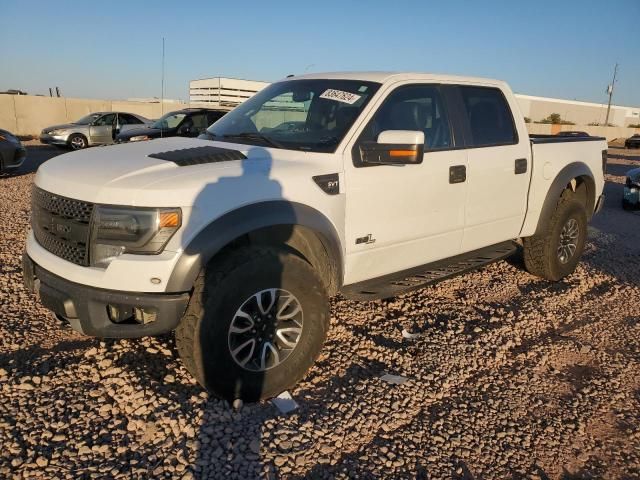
x=77, y=134
x=584, y=188
x=302, y=241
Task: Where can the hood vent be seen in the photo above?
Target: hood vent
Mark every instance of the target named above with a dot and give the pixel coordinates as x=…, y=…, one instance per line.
x=199, y=155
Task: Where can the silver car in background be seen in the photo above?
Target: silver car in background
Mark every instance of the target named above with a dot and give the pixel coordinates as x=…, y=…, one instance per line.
x=100, y=128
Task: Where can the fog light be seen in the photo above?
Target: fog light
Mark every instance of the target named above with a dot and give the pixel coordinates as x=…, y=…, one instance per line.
x=119, y=314
x=145, y=315
x=114, y=313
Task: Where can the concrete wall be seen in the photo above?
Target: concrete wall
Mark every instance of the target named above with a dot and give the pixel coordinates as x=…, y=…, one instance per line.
x=29, y=114
x=610, y=133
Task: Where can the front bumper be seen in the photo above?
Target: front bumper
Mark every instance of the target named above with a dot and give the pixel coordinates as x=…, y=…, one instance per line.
x=87, y=308
x=53, y=139
x=18, y=159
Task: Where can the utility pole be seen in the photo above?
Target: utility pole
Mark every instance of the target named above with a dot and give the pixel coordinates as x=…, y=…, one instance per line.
x=162, y=87
x=610, y=92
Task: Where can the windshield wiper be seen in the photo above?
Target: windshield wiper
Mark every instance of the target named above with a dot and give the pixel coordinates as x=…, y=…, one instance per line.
x=255, y=136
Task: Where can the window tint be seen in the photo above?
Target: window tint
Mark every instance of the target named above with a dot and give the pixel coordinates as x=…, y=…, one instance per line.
x=106, y=119
x=414, y=107
x=489, y=116
x=127, y=119
x=198, y=121
x=213, y=117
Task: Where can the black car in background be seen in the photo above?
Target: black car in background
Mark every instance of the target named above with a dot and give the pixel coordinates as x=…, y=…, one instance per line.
x=633, y=141
x=189, y=122
x=631, y=195
x=12, y=153
x=572, y=133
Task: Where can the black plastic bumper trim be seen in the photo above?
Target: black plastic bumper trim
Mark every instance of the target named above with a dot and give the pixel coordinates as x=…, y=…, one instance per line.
x=86, y=307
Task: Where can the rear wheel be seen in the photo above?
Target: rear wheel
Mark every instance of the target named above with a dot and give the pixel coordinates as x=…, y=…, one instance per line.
x=78, y=141
x=255, y=324
x=555, y=253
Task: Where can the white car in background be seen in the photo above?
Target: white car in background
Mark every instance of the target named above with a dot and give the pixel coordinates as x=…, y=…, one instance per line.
x=100, y=128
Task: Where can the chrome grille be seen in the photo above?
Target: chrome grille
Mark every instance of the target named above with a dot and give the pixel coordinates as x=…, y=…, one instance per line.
x=61, y=225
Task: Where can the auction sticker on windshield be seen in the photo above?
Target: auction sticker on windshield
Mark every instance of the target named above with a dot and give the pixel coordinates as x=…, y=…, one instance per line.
x=340, y=96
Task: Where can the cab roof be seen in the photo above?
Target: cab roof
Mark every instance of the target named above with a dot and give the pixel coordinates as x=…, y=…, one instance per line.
x=391, y=77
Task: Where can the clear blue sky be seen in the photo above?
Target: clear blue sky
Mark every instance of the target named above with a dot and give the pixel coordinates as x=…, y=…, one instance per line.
x=112, y=49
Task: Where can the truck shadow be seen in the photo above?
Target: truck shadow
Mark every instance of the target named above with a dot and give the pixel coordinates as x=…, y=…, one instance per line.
x=37, y=154
x=225, y=318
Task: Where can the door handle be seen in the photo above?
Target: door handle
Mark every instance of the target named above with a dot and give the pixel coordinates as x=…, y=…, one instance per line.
x=457, y=173
x=520, y=166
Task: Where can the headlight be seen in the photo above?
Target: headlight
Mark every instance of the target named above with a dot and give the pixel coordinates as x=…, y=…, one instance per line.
x=57, y=132
x=118, y=230
x=139, y=138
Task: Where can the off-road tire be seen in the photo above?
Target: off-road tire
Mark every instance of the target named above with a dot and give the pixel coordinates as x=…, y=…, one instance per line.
x=541, y=250
x=219, y=291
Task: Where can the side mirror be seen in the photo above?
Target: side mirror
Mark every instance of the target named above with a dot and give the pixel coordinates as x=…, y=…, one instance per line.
x=394, y=147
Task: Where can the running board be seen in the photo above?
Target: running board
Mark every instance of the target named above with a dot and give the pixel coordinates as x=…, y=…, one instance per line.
x=418, y=277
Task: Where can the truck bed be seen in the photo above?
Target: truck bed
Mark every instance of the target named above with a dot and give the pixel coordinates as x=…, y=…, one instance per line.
x=551, y=154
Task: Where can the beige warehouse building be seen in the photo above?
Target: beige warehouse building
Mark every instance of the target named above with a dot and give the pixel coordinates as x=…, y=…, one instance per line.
x=580, y=113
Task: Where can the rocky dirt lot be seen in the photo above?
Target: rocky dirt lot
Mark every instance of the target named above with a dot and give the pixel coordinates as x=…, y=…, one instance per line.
x=509, y=377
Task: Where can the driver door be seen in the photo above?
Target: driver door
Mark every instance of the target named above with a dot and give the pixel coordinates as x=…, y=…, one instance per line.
x=102, y=130
x=399, y=217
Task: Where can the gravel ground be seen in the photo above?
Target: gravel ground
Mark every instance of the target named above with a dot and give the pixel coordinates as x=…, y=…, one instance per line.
x=509, y=377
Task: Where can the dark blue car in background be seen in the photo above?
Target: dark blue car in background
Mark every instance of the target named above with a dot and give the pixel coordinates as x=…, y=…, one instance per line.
x=12, y=153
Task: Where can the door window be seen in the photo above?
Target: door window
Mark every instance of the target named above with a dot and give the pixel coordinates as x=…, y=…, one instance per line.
x=127, y=119
x=489, y=117
x=105, y=120
x=413, y=107
x=199, y=122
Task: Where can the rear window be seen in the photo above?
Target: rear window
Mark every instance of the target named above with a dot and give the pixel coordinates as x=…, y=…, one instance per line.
x=489, y=117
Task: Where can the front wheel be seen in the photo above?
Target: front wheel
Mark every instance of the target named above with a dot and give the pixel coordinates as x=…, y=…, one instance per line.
x=555, y=253
x=78, y=141
x=255, y=324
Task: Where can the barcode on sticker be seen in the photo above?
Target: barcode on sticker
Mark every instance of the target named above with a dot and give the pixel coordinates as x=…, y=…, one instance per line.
x=340, y=96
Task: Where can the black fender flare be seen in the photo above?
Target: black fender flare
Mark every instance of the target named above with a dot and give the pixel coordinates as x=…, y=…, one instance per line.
x=242, y=221
x=563, y=178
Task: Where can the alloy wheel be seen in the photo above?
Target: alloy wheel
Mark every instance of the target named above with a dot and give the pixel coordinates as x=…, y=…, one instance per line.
x=568, y=240
x=265, y=330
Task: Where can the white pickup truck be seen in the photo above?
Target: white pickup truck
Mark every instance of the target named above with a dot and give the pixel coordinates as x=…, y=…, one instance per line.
x=364, y=184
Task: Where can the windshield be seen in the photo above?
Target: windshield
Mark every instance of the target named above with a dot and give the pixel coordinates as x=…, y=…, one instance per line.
x=88, y=119
x=170, y=120
x=310, y=115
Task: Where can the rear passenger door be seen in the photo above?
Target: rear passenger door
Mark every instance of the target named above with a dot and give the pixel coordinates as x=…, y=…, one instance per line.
x=498, y=167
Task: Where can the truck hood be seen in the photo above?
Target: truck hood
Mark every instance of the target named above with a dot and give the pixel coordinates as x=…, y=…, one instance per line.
x=126, y=174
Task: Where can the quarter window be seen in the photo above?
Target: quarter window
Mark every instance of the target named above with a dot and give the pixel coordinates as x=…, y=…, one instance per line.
x=489, y=117
x=414, y=107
